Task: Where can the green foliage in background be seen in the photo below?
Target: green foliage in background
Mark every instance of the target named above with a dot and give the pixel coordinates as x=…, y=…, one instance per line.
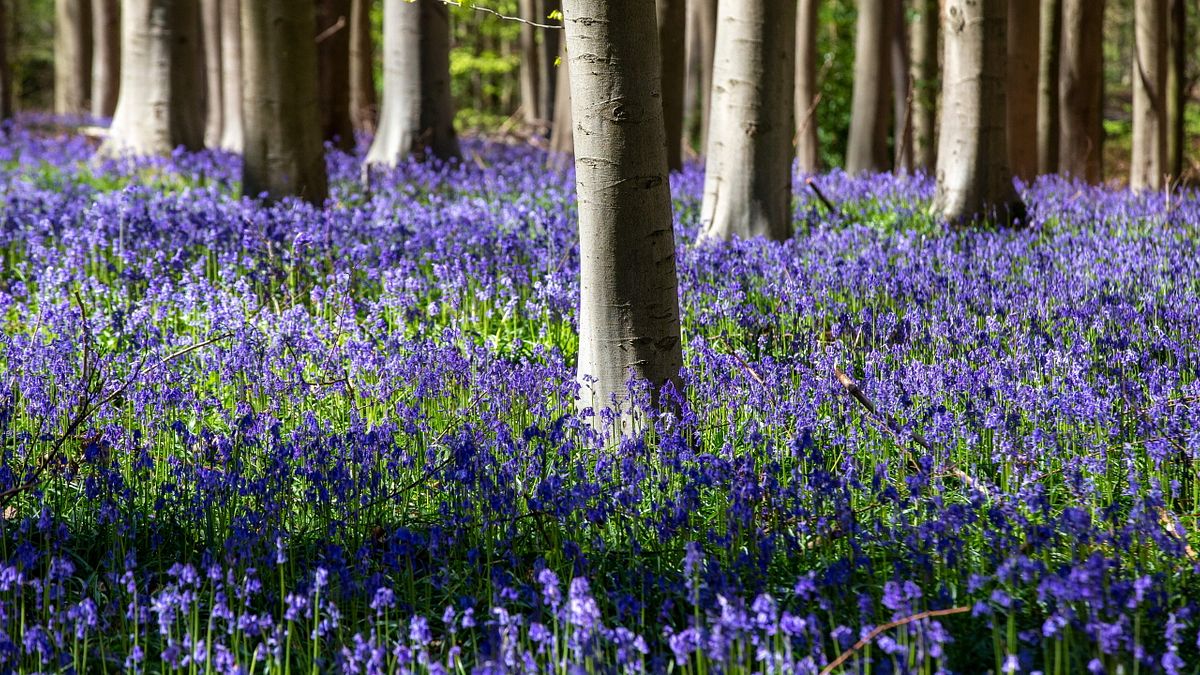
x=835, y=78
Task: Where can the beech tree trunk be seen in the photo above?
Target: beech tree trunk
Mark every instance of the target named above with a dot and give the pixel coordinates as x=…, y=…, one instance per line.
x=231, y=76
x=973, y=179
x=562, y=134
x=363, y=102
x=700, y=45
x=1049, y=68
x=925, y=84
x=1023, y=28
x=1149, y=100
x=672, y=33
x=901, y=92
x=333, y=72
x=629, y=300
x=283, y=154
x=531, y=62
x=106, y=57
x=417, y=112
x=1081, y=114
x=6, y=97
x=72, y=56
x=748, y=177
x=161, y=105
x=807, y=144
x=547, y=71
x=1176, y=82
x=867, y=146
x=210, y=11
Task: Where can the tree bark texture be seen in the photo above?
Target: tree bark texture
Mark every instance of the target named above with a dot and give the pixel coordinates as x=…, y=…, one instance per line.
x=562, y=134
x=283, y=154
x=748, y=177
x=1081, y=114
x=973, y=178
x=6, y=80
x=106, y=57
x=700, y=45
x=161, y=104
x=1149, y=72
x=901, y=91
x=550, y=46
x=807, y=143
x=417, y=112
x=363, y=101
x=72, y=56
x=672, y=33
x=1176, y=82
x=629, y=301
x=529, y=76
x=1049, y=69
x=210, y=11
x=867, y=146
x=231, y=76
x=1022, y=91
x=333, y=72
x=925, y=84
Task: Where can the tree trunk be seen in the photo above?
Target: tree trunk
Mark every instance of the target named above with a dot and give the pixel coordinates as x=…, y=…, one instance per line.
x=901, y=91
x=362, y=67
x=973, y=179
x=333, y=72
x=106, y=57
x=629, y=301
x=231, y=76
x=6, y=97
x=417, y=112
x=1175, y=87
x=925, y=85
x=1081, y=114
x=531, y=62
x=700, y=44
x=1149, y=99
x=1023, y=27
x=807, y=144
x=547, y=72
x=748, y=178
x=213, y=87
x=867, y=146
x=1049, y=44
x=72, y=56
x=562, y=134
x=672, y=31
x=161, y=105
x=283, y=154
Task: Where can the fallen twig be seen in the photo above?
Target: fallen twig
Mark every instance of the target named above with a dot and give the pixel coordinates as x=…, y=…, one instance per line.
x=879, y=630
x=812, y=184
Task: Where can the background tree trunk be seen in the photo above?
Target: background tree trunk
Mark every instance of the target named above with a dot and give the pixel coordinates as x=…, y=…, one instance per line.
x=283, y=154
x=672, y=32
x=629, y=301
x=1023, y=27
x=807, y=143
x=6, y=97
x=867, y=146
x=700, y=44
x=1176, y=96
x=901, y=92
x=213, y=87
x=547, y=71
x=973, y=179
x=925, y=84
x=562, y=136
x=72, y=56
x=231, y=75
x=1149, y=102
x=363, y=101
x=417, y=112
x=531, y=62
x=333, y=72
x=1081, y=114
x=161, y=105
x=748, y=177
x=1049, y=67
x=106, y=57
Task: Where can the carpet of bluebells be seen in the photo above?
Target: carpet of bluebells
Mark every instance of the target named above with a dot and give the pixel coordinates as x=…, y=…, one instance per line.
x=239, y=438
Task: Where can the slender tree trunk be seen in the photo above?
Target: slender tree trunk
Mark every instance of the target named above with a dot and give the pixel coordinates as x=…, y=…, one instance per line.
x=72, y=56
x=1049, y=44
x=333, y=72
x=807, y=144
x=547, y=72
x=161, y=105
x=283, y=154
x=363, y=102
x=562, y=134
x=1176, y=82
x=629, y=301
x=1081, y=114
x=1149, y=100
x=531, y=62
x=231, y=76
x=672, y=31
x=901, y=91
x=973, y=179
x=6, y=97
x=925, y=85
x=417, y=112
x=1023, y=27
x=214, y=89
x=106, y=57
x=867, y=146
x=748, y=178
x=700, y=45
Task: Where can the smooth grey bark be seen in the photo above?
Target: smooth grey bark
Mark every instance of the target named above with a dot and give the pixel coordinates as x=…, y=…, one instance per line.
x=1081, y=115
x=551, y=41
x=1049, y=48
x=562, y=134
x=901, y=91
x=417, y=111
x=699, y=50
x=1176, y=94
x=867, y=146
x=6, y=97
x=106, y=57
x=925, y=84
x=807, y=143
x=231, y=76
x=1023, y=28
x=1149, y=95
x=629, y=298
x=333, y=72
x=363, y=101
x=72, y=56
x=161, y=104
x=748, y=176
x=973, y=178
x=283, y=154
x=529, y=76
x=672, y=33
x=210, y=11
